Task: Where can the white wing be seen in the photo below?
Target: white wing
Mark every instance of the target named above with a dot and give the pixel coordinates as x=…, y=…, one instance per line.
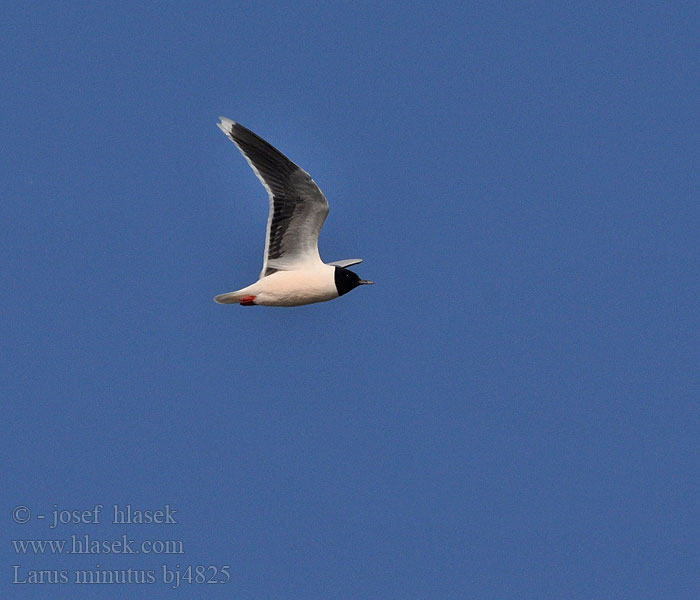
x=298, y=207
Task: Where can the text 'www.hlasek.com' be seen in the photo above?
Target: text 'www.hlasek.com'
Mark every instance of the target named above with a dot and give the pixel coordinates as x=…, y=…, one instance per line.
x=139, y=550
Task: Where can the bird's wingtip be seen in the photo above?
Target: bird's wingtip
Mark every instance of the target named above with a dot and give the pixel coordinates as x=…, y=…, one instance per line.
x=225, y=124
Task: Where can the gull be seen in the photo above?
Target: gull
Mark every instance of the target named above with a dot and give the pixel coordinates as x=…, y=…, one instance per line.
x=293, y=273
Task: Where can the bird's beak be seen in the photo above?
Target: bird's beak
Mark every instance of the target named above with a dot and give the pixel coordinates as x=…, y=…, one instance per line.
x=365, y=282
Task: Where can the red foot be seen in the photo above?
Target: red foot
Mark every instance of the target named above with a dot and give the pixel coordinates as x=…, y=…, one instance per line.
x=248, y=301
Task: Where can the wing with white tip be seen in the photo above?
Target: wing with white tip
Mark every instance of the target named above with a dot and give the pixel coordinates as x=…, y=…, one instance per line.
x=298, y=207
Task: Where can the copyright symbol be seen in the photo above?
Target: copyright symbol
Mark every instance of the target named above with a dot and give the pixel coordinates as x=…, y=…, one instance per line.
x=21, y=514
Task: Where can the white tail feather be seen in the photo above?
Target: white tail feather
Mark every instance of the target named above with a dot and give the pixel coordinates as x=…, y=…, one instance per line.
x=230, y=298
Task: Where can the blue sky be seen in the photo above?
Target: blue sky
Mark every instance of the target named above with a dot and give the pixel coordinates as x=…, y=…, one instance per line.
x=510, y=412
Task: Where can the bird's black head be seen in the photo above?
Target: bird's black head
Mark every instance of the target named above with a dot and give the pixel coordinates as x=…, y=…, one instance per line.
x=346, y=280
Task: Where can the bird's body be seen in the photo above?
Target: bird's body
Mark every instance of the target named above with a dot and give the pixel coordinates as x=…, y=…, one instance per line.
x=293, y=273
x=287, y=288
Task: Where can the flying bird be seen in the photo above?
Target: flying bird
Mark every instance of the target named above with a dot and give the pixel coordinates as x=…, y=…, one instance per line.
x=293, y=273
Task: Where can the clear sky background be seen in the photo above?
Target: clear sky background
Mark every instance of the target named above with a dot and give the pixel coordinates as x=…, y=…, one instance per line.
x=510, y=412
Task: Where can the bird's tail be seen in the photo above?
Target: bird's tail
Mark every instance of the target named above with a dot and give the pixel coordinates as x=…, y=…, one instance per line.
x=230, y=297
